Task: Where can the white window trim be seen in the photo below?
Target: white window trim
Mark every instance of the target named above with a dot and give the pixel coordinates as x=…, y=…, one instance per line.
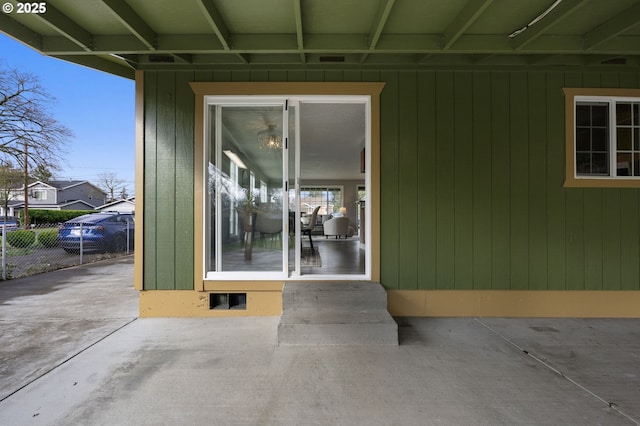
x=612, y=102
x=39, y=194
x=285, y=274
x=574, y=95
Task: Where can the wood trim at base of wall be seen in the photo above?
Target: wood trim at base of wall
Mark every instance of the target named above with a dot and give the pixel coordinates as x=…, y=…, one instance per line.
x=417, y=303
x=195, y=304
x=514, y=303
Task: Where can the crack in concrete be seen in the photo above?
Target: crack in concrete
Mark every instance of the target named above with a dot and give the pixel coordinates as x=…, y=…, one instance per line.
x=611, y=405
x=60, y=364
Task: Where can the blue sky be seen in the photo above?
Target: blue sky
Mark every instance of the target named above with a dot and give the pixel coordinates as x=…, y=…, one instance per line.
x=96, y=106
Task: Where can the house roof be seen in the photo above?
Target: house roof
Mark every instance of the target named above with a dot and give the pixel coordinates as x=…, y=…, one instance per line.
x=64, y=184
x=120, y=36
x=130, y=201
x=20, y=204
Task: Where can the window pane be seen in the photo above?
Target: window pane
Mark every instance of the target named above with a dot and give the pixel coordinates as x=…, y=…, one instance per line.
x=600, y=115
x=624, y=164
x=623, y=114
x=583, y=139
x=600, y=140
x=592, y=138
x=245, y=218
x=328, y=198
x=583, y=163
x=600, y=164
x=583, y=115
x=627, y=128
x=624, y=139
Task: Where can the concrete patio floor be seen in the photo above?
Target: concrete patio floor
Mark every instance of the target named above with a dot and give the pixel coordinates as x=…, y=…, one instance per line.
x=72, y=351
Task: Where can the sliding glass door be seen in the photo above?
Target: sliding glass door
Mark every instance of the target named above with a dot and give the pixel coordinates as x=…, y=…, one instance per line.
x=278, y=170
x=247, y=195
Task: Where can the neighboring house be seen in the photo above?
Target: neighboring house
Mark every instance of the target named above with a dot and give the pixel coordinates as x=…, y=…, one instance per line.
x=486, y=144
x=127, y=205
x=59, y=195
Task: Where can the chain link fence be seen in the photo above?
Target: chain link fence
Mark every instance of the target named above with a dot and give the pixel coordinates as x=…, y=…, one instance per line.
x=40, y=249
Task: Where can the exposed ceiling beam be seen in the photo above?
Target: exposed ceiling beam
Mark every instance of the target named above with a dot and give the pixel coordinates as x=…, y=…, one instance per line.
x=382, y=15
x=19, y=32
x=564, y=9
x=216, y=22
x=424, y=58
x=297, y=10
x=339, y=44
x=214, y=18
x=68, y=28
x=615, y=26
x=133, y=22
x=467, y=16
x=131, y=60
x=102, y=64
x=184, y=59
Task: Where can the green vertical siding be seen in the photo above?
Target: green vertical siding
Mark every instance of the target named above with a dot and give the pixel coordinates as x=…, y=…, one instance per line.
x=555, y=170
x=407, y=178
x=472, y=167
x=482, y=152
x=426, y=181
x=445, y=182
x=500, y=243
x=389, y=186
x=168, y=182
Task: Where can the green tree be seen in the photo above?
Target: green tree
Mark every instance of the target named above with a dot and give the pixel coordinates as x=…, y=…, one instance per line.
x=10, y=180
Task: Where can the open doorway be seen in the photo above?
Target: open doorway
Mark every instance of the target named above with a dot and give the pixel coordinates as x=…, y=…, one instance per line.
x=332, y=143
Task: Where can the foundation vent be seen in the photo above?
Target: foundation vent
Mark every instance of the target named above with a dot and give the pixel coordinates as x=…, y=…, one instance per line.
x=227, y=301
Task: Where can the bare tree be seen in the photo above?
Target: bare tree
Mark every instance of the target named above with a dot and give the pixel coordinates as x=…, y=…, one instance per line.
x=28, y=131
x=29, y=134
x=41, y=173
x=110, y=183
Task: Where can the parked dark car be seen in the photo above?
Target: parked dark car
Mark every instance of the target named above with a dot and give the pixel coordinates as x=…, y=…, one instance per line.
x=11, y=223
x=97, y=232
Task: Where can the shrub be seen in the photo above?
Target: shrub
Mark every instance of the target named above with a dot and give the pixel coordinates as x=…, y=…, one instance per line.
x=54, y=216
x=21, y=239
x=49, y=238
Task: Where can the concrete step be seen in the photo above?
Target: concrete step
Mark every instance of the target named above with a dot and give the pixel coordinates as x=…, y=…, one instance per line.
x=336, y=313
x=334, y=295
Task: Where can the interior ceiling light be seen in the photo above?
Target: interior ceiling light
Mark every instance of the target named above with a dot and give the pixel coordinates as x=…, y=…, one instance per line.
x=235, y=158
x=536, y=19
x=269, y=139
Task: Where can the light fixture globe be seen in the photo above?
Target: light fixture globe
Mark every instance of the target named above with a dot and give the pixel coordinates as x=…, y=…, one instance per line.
x=269, y=139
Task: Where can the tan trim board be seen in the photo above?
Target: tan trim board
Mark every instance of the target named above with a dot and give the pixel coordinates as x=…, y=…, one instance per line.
x=202, y=89
x=231, y=286
x=190, y=304
x=419, y=303
x=283, y=88
x=514, y=303
x=138, y=275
